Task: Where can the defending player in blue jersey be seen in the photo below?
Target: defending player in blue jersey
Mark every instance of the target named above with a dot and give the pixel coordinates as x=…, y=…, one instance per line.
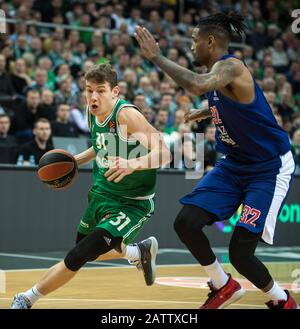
x=256, y=171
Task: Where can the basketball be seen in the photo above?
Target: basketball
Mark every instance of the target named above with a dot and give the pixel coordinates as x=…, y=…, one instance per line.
x=57, y=169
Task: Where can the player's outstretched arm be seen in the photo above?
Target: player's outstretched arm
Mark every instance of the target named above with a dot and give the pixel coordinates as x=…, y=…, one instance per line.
x=222, y=73
x=134, y=125
x=85, y=156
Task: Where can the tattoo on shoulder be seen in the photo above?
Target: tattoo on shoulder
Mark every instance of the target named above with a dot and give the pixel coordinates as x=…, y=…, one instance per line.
x=222, y=74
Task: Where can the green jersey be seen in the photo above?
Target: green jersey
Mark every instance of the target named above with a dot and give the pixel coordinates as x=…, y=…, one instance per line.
x=108, y=141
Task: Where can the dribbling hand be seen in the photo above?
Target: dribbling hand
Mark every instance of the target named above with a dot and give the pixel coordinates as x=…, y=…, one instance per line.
x=119, y=168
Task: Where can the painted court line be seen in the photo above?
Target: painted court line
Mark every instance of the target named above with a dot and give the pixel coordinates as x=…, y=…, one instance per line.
x=118, y=266
x=88, y=300
x=54, y=259
x=105, y=264
x=115, y=267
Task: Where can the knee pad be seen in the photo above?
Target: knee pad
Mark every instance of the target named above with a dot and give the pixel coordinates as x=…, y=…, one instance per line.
x=242, y=256
x=242, y=245
x=80, y=236
x=191, y=219
x=90, y=248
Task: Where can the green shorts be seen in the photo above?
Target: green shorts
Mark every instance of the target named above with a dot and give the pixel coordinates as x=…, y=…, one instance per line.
x=122, y=217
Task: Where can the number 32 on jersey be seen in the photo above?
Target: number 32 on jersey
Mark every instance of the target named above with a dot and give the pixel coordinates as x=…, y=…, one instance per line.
x=249, y=215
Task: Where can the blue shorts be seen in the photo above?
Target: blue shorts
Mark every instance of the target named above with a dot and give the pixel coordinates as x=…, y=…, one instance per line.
x=260, y=187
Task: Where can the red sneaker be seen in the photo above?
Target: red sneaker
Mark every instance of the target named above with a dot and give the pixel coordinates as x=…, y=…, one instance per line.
x=220, y=298
x=290, y=303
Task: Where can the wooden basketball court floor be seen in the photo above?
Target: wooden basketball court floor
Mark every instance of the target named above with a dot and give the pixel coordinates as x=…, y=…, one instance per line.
x=180, y=282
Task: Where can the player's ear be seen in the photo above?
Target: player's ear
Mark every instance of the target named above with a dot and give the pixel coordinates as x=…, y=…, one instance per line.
x=115, y=91
x=210, y=40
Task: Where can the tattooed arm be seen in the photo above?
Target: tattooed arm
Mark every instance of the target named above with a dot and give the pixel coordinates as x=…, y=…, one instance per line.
x=197, y=115
x=221, y=74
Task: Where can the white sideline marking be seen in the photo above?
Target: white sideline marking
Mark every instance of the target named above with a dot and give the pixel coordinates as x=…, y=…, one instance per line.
x=127, y=301
x=55, y=259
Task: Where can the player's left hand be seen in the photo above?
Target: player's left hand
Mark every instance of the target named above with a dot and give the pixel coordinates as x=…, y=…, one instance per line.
x=119, y=168
x=149, y=47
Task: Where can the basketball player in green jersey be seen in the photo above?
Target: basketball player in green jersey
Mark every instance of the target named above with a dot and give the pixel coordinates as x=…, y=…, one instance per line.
x=126, y=151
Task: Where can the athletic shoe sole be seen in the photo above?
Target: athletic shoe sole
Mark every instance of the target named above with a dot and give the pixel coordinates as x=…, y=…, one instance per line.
x=153, y=251
x=235, y=297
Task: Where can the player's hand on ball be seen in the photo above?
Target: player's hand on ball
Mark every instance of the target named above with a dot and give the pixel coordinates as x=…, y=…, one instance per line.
x=149, y=47
x=119, y=168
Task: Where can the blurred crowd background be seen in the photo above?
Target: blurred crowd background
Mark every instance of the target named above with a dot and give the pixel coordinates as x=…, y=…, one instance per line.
x=48, y=46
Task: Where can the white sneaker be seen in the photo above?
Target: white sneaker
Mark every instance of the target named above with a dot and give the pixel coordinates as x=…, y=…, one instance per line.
x=20, y=301
x=147, y=263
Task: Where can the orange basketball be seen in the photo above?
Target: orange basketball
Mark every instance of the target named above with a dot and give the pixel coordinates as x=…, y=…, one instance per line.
x=57, y=168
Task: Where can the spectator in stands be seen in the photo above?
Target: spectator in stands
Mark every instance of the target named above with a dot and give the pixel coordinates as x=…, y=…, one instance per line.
x=154, y=20
x=269, y=84
x=122, y=64
x=25, y=114
x=7, y=92
x=167, y=103
x=78, y=116
x=183, y=150
x=134, y=20
x=131, y=78
x=19, y=78
x=172, y=134
x=183, y=26
x=136, y=64
x=40, y=144
x=36, y=47
x=21, y=46
x=258, y=38
x=55, y=53
x=161, y=119
x=46, y=64
x=62, y=126
x=140, y=101
x=73, y=40
x=63, y=71
x=123, y=89
x=47, y=108
x=285, y=108
x=272, y=34
x=168, y=20
x=270, y=97
x=210, y=153
x=148, y=114
x=40, y=80
x=145, y=88
x=65, y=95
x=8, y=143
x=279, y=56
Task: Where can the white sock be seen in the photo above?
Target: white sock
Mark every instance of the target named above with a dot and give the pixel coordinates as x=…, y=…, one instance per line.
x=276, y=293
x=33, y=295
x=215, y=271
x=132, y=253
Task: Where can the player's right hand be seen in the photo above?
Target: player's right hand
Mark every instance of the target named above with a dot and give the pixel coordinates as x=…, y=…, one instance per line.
x=149, y=47
x=192, y=116
x=187, y=117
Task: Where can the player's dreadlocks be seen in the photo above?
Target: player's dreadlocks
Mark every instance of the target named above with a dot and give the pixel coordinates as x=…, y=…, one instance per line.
x=226, y=23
